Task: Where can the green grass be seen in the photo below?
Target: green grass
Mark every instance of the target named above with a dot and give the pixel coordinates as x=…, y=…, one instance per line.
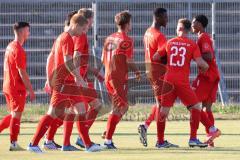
x=139, y=112
x=126, y=138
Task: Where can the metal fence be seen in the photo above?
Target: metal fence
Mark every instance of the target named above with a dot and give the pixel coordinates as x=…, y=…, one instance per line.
x=46, y=18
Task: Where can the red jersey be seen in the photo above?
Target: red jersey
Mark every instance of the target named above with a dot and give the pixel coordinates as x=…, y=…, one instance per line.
x=15, y=58
x=153, y=40
x=63, y=46
x=118, y=48
x=206, y=46
x=180, y=51
x=81, y=45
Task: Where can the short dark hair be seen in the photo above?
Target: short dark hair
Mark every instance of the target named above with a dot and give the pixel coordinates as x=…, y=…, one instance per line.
x=19, y=25
x=122, y=18
x=86, y=12
x=186, y=23
x=158, y=12
x=78, y=19
x=202, y=19
x=69, y=16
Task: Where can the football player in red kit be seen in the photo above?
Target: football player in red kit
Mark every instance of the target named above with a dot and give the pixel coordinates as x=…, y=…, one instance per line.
x=16, y=82
x=117, y=56
x=154, y=40
x=206, y=84
x=180, y=52
x=67, y=78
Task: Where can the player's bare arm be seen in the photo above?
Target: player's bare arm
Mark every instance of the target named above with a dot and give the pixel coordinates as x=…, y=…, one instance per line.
x=72, y=69
x=25, y=78
x=133, y=67
x=207, y=56
x=202, y=64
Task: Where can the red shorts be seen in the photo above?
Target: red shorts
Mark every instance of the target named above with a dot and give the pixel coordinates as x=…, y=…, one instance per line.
x=117, y=92
x=71, y=95
x=16, y=102
x=157, y=85
x=181, y=90
x=205, y=90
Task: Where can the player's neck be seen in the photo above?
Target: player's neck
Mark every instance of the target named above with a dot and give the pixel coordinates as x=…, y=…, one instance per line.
x=122, y=31
x=20, y=40
x=70, y=31
x=156, y=25
x=200, y=32
x=182, y=34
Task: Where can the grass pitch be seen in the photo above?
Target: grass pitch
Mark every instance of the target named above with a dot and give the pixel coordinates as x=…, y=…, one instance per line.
x=126, y=139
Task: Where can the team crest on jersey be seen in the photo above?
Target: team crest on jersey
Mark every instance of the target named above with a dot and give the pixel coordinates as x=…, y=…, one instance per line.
x=126, y=45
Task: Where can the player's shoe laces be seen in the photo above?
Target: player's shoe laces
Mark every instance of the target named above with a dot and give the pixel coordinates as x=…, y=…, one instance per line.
x=196, y=143
x=15, y=147
x=35, y=149
x=142, y=131
x=94, y=148
x=166, y=144
x=49, y=146
x=80, y=143
x=110, y=146
x=69, y=148
x=212, y=135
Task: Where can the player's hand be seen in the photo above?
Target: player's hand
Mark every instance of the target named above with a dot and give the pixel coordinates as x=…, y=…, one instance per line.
x=47, y=88
x=32, y=95
x=138, y=76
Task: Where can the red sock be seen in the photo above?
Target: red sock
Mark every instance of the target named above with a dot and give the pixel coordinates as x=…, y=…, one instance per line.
x=205, y=121
x=83, y=131
x=67, y=132
x=14, y=129
x=151, y=117
x=113, y=120
x=194, y=122
x=53, y=128
x=91, y=116
x=161, y=121
x=211, y=117
x=5, y=122
x=42, y=127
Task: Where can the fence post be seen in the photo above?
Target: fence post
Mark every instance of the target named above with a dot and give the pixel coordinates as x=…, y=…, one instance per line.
x=95, y=27
x=221, y=86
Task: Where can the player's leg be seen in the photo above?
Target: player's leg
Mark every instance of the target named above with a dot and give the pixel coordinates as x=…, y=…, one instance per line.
x=118, y=94
x=206, y=92
x=151, y=117
x=49, y=142
x=91, y=114
x=83, y=129
x=17, y=103
x=166, y=102
x=56, y=109
x=5, y=122
x=69, y=119
x=142, y=128
x=189, y=98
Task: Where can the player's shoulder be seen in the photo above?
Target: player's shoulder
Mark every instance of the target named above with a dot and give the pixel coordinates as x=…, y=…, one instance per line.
x=65, y=36
x=15, y=46
x=155, y=33
x=81, y=37
x=204, y=37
